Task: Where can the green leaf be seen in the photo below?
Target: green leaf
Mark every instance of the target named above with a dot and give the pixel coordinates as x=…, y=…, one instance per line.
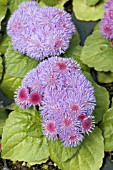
x=3, y=117
x=105, y=77
x=57, y=3
x=91, y=2
x=9, y=85
x=18, y=65
x=1, y=67
x=89, y=156
x=3, y=10
x=87, y=13
x=12, y=106
x=97, y=53
x=61, y=4
x=102, y=99
x=13, y=4
x=51, y=2
x=62, y=153
x=107, y=129
x=4, y=43
x=37, y=162
x=74, y=51
x=16, y=141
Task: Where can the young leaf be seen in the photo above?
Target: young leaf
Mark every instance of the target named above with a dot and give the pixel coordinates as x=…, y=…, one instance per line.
x=105, y=77
x=9, y=85
x=107, y=129
x=1, y=67
x=17, y=143
x=87, y=13
x=88, y=157
x=102, y=99
x=62, y=153
x=18, y=65
x=97, y=53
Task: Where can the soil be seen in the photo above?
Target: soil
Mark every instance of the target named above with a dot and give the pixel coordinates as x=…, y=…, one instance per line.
x=49, y=165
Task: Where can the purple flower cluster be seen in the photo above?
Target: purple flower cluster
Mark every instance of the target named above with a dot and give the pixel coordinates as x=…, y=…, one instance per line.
x=65, y=98
x=40, y=32
x=106, y=25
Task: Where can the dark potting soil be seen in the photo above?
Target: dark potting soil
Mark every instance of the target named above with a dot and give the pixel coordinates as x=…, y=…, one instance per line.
x=49, y=165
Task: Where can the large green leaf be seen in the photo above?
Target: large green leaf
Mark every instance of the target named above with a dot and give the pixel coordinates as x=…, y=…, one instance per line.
x=3, y=9
x=9, y=85
x=18, y=65
x=1, y=67
x=4, y=43
x=3, y=117
x=74, y=51
x=13, y=4
x=91, y=2
x=98, y=53
x=102, y=99
x=107, y=129
x=105, y=77
x=87, y=13
x=18, y=143
x=89, y=156
x=62, y=153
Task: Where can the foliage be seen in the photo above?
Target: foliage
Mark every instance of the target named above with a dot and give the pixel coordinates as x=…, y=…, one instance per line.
x=21, y=129
x=86, y=12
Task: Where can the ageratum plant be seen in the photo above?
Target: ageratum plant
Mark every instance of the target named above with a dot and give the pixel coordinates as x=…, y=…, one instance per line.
x=40, y=32
x=57, y=110
x=65, y=106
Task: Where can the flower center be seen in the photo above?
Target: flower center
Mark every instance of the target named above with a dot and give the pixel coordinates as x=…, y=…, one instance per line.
x=72, y=138
x=51, y=127
x=67, y=122
x=62, y=66
x=22, y=94
x=74, y=107
x=86, y=124
x=58, y=44
x=107, y=30
x=81, y=117
x=110, y=13
x=35, y=98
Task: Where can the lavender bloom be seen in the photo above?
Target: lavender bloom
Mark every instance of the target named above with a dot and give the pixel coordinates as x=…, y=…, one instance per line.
x=54, y=71
x=31, y=81
x=40, y=32
x=65, y=98
x=49, y=128
x=73, y=139
x=22, y=97
x=106, y=25
x=108, y=4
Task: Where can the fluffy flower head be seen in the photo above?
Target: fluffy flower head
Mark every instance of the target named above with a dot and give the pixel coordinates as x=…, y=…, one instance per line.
x=65, y=98
x=106, y=25
x=40, y=32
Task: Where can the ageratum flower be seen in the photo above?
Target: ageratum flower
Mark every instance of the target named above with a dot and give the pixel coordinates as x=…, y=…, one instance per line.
x=25, y=97
x=22, y=97
x=65, y=97
x=40, y=32
x=106, y=25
